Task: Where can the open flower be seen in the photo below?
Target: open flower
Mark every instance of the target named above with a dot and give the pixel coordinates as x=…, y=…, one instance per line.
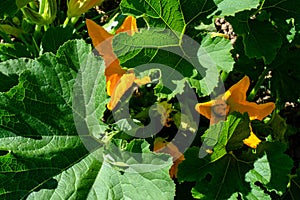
x=78, y=7
x=102, y=41
x=161, y=146
x=232, y=100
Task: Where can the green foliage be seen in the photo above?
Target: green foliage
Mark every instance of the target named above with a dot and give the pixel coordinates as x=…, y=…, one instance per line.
x=58, y=140
x=8, y=8
x=11, y=51
x=293, y=191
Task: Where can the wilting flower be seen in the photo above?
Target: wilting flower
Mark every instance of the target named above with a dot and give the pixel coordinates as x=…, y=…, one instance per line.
x=161, y=146
x=116, y=77
x=78, y=7
x=232, y=100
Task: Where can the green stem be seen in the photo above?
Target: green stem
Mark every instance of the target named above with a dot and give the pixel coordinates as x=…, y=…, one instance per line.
x=257, y=86
x=74, y=20
x=33, y=5
x=66, y=22
x=224, y=76
x=42, y=7
x=46, y=27
x=37, y=32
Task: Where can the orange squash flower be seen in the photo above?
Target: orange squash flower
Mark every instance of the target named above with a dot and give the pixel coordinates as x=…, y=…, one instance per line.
x=161, y=146
x=102, y=41
x=232, y=100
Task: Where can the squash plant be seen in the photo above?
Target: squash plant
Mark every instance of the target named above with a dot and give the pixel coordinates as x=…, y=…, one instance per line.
x=154, y=103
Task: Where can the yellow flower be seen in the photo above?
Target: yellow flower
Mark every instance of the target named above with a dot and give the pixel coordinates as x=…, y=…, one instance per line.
x=232, y=100
x=78, y=7
x=252, y=141
x=161, y=146
x=117, y=81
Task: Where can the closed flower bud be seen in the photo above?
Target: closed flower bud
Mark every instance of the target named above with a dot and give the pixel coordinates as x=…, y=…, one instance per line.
x=78, y=7
x=46, y=15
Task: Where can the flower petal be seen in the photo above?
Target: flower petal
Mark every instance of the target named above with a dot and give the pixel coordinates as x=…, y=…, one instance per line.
x=100, y=37
x=255, y=111
x=252, y=141
x=205, y=108
x=160, y=145
x=142, y=81
x=102, y=41
x=129, y=26
x=111, y=83
x=237, y=92
x=121, y=87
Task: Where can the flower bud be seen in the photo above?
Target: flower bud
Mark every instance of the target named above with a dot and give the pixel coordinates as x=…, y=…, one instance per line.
x=49, y=11
x=33, y=16
x=78, y=7
x=46, y=15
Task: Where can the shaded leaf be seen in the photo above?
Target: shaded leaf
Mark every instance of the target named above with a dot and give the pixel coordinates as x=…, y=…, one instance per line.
x=53, y=38
x=213, y=178
x=8, y=8
x=12, y=51
x=260, y=38
x=293, y=191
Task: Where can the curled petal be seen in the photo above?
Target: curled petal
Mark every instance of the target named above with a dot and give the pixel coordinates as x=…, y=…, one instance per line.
x=164, y=147
x=252, y=141
x=119, y=84
x=237, y=92
x=174, y=169
x=111, y=83
x=122, y=86
x=254, y=110
x=142, y=81
x=129, y=26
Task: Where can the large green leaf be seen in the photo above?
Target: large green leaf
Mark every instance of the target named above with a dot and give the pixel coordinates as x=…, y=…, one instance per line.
x=75, y=182
x=226, y=170
x=214, y=172
x=228, y=7
x=31, y=165
x=53, y=38
x=272, y=169
x=285, y=73
x=261, y=39
x=39, y=139
x=214, y=52
x=226, y=136
x=282, y=9
x=155, y=46
x=171, y=46
x=51, y=129
x=134, y=172
x=214, y=180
